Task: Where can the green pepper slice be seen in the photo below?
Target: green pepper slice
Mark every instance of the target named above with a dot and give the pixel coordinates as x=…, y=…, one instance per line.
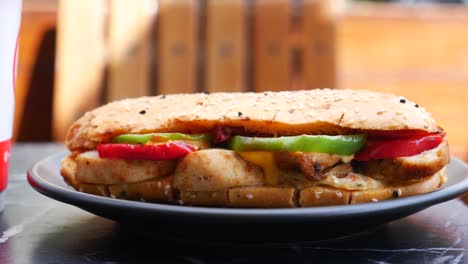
x=159, y=137
x=340, y=145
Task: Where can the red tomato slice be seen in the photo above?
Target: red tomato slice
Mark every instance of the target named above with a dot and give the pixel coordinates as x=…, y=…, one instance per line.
x=166, y=151
x=394, y=148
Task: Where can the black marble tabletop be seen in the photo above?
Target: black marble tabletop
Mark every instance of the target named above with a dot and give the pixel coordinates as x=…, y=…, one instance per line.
x=36, y=229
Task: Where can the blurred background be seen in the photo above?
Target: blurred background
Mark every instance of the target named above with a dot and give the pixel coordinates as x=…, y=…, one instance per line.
x=76, y=55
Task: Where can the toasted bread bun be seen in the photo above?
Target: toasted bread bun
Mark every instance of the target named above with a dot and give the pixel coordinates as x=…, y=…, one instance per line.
x=277, y=113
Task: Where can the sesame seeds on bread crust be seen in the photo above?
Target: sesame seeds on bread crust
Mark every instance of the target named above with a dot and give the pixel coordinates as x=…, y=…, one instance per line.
x=319, y=111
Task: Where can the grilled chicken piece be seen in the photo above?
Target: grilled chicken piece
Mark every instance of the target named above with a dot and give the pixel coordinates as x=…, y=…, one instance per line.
x=90, y=168
x=419, y=166
x=312, y=165
x=215, y=169
x=339, y=171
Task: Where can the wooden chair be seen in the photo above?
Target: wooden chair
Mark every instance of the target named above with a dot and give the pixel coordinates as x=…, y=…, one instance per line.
x=107, y=50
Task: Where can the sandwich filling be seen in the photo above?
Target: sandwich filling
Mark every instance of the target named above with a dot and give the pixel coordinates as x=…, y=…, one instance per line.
x=340, y=161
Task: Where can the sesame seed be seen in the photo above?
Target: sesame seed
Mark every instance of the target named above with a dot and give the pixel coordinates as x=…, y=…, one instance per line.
x=214, y=194
x=249, y=196
x=142, y=112
x=181, y=202
x=159, y=185
x=357, y=109
x=339, y=194
x=374, y=200
x=193, y=196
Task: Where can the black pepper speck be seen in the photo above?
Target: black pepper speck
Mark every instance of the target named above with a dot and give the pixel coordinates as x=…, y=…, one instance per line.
x=402, y=101
x=416, y=105
x=395, y=194
x=205, y=92
x=239, y=113
x=162, y=96
x=142, y=112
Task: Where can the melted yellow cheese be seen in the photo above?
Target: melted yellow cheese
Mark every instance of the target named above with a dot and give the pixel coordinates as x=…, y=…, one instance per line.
x=265, y=160
x=346, y=159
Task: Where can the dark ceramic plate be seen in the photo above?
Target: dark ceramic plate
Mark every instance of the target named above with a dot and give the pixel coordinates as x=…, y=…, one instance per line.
x=247, y=225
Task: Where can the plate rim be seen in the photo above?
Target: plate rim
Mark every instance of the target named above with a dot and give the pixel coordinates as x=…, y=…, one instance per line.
x=77, y=198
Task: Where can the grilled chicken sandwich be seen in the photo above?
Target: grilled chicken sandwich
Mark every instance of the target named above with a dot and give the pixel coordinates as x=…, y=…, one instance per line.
x=272, y=149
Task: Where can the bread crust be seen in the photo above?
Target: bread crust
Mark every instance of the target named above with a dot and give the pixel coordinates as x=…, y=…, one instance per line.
x=323, y=196
x=154, y=190
x=204, y=198
x=262, y=197
x=320, y=111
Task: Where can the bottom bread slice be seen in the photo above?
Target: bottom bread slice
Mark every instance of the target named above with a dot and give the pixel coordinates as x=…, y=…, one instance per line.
x=162, y=190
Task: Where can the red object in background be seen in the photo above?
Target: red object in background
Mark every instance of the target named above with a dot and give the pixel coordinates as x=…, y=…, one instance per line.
x=4, y=158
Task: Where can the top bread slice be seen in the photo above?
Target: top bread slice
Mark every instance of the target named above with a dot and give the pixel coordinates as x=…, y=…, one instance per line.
x=319, y=111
